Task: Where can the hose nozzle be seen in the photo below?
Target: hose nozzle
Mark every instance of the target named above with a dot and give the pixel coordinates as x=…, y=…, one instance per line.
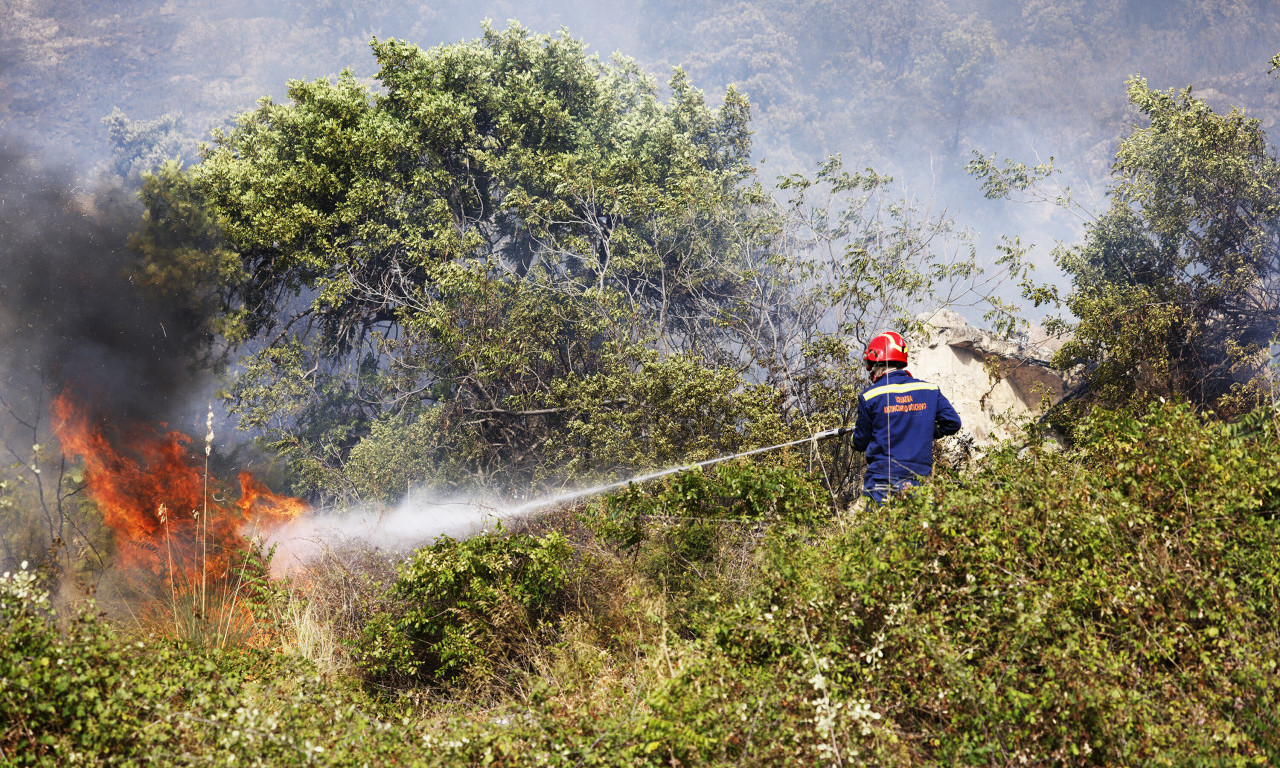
x=837, y=432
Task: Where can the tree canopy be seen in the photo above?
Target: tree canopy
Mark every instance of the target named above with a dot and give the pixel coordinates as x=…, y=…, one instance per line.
x=425, y=249
x=1174, y=287
x=505, y=261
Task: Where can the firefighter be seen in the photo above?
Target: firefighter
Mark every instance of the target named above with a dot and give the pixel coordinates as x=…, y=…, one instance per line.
x=899, y=417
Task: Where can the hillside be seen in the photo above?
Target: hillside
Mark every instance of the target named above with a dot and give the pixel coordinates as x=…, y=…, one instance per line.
x=244, y=392
x=1114, y=604
x=878, y=82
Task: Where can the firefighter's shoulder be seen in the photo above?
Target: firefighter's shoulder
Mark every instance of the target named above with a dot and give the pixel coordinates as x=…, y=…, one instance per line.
x=897, y=389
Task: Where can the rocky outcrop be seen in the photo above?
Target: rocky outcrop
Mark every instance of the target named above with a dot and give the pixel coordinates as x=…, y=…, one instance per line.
x=994, y=383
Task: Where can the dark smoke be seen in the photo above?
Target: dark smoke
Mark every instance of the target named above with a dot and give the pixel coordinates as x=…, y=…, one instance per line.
x=70, y=316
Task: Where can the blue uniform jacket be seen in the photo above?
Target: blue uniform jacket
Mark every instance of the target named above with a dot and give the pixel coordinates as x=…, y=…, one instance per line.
x=899, y=417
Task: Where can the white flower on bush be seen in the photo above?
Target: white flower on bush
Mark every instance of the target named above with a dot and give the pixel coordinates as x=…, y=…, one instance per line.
x=875, y=653
x=861, y=713
x=20, y=590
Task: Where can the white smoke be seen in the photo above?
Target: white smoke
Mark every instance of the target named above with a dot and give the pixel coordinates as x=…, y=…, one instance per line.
x=422, y=516
x=416, y=521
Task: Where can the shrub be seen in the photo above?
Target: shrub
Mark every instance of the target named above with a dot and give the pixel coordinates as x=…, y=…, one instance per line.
x=1114, y=605
x=469, y=608
x=68, y=696
x=81, y=695
x=695, y=534
x=321, y=610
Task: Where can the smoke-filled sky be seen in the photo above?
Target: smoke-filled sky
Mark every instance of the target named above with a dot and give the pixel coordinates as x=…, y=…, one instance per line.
x=881, y=82
x=910, y=88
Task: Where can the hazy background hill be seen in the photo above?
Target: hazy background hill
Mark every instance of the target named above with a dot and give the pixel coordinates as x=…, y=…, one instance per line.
x=911, y=88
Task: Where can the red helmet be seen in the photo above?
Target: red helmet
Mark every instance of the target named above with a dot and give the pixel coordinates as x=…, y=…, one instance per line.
x=888, y=347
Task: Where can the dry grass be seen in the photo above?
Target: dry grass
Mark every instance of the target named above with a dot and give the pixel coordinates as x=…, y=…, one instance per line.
x=149, y=605
x=304, y=632
x=327, y=602
x=347, y=584
x=603, y=655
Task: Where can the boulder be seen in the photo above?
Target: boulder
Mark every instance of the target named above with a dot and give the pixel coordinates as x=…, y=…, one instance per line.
x=995, y=384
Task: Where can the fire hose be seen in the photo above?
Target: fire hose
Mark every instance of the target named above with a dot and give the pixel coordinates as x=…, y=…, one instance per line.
x=823, y=435
x=571, y=495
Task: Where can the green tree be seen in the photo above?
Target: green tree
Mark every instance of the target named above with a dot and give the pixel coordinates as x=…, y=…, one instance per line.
x=141, y=146
x=480, y=226
x=1174, y=287
x=181, y=257
x=512, y=261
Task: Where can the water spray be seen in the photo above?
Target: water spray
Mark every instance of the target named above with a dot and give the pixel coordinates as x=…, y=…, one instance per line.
x=422, y=517
x=524, y=509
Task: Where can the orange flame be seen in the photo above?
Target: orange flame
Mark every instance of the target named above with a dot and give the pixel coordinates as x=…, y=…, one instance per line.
x=152, y=493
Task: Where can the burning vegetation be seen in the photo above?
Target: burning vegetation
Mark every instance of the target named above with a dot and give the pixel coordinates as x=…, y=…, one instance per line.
x=168, y=515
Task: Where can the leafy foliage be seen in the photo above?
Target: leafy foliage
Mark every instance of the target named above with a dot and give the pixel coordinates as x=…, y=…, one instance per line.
x=1174, y=288
x=141, y=146
x=1176, y=284
x=466, y=608
x=76, y=692
x=182, y=259
x=696, y=534
x=732, y=492
x=660, y=413
x=1045, y=609
x=458, y=243
x=516, y=264
x=80, y=695
x=55, y=689
x=1113, y=604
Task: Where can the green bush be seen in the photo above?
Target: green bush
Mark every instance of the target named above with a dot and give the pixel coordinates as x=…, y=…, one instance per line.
x=1115, y=605
x=739, y=492
x=468, y=609
x=68, y=694
x=73, y=692
x=693, y=535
